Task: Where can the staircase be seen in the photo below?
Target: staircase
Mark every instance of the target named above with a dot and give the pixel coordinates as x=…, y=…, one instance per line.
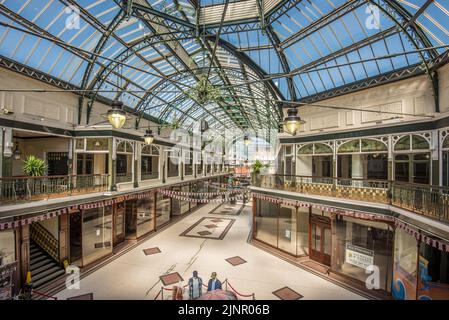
x=43, y=268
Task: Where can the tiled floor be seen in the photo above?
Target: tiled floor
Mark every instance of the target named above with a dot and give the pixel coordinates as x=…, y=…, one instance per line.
x=135, y=275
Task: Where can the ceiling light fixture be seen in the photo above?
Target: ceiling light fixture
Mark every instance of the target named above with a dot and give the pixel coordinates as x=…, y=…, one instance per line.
x=116, y=115
x=148, y=137
x=292, y=122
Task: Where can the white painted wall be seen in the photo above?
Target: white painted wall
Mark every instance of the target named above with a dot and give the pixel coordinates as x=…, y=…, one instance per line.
x=412, y=96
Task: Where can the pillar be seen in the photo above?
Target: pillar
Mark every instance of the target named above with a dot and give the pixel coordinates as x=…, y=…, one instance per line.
x=112, y=158
x=390, y=159
x=136, y=166
x=63, y=237
x=24, y=252
x=435, y=154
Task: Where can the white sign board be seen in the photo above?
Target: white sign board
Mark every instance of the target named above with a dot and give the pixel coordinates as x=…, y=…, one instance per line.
x=359, y=256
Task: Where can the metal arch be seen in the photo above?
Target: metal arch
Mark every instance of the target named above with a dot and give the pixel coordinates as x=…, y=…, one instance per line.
x=100, y=46
x=253, y=66
x=413, y=36
x=275, y=42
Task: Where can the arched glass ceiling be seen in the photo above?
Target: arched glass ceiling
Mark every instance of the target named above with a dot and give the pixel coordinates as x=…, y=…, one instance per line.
x=153, y=53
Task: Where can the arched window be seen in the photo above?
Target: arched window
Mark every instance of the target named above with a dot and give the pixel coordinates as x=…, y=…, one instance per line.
x=372, y=145
x=350, y=146
x=411, y=143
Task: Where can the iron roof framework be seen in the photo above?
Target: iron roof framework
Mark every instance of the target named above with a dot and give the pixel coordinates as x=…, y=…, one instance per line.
x=152, y=53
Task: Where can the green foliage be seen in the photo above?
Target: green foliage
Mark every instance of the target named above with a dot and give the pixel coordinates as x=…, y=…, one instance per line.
x=257, y=166
x=34, y=167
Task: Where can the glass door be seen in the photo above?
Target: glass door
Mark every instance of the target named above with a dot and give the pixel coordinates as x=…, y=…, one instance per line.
x=320, y=242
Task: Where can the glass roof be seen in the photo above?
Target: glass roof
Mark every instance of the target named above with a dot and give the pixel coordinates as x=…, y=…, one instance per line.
x=152, y=54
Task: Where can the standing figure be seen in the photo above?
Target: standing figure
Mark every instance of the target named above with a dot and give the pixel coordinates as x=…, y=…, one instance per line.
x=214, y=283
x=195, y=286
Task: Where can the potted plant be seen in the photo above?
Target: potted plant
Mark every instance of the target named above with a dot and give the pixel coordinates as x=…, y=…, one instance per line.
x=34, y=167
x=256, y=168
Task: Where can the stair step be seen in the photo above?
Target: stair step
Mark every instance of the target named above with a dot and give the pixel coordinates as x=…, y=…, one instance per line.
x=48, y=278
x=38, y=259
x=34, y=250
x=42, y=268
x=45, y=273
x=36, y=254
x=39, y=264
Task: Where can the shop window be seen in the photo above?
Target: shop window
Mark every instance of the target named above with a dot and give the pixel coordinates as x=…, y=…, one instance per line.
x=284, y=228
x=58, y=163
x=145, y=216
x=413, y=168
x=405, y=266
x=173, y=163
x=162, y=209
x=96, y=234
x=7, y=247
x=124, y=162
x=433, y=273
x=199, y=167
x=357, y=244
x=188, y=164
x=84, y=163
x=149, y=163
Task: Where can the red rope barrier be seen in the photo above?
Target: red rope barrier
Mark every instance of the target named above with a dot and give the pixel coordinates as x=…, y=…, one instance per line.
x=240, y=294
x=158, y=294
x=43, y=295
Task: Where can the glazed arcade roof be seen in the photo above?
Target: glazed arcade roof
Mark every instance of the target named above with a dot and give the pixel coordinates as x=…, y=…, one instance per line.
x=153, y=53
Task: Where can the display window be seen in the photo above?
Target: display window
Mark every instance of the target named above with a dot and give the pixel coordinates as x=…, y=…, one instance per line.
x=145, y=216
x=7, y=247
x=358, y=244
x=162, y=209
x=96, y=234
x=283, y=227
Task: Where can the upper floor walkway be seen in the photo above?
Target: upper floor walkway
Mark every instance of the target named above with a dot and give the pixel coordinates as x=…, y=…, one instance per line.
x=426, y=200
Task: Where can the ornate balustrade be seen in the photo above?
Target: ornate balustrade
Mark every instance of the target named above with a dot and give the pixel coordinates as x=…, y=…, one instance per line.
x=38, y=188
x=432, y=201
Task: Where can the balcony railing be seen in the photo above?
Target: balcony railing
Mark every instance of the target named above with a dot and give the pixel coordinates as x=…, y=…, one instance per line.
x=124, y=177
x=149, y=176
x=38, y=188
x=432, y=201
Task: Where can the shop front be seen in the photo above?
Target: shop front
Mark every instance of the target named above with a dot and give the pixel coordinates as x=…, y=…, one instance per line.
x=180, y=207
x=421, y=265
x=283, y=227
x=358, y=244
x=163, y=212
x=346, y=246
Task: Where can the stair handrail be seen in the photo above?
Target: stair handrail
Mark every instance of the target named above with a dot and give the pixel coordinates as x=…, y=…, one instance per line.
x=51, y=247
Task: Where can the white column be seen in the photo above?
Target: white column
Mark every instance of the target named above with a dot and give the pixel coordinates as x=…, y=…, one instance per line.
x=357, y=168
